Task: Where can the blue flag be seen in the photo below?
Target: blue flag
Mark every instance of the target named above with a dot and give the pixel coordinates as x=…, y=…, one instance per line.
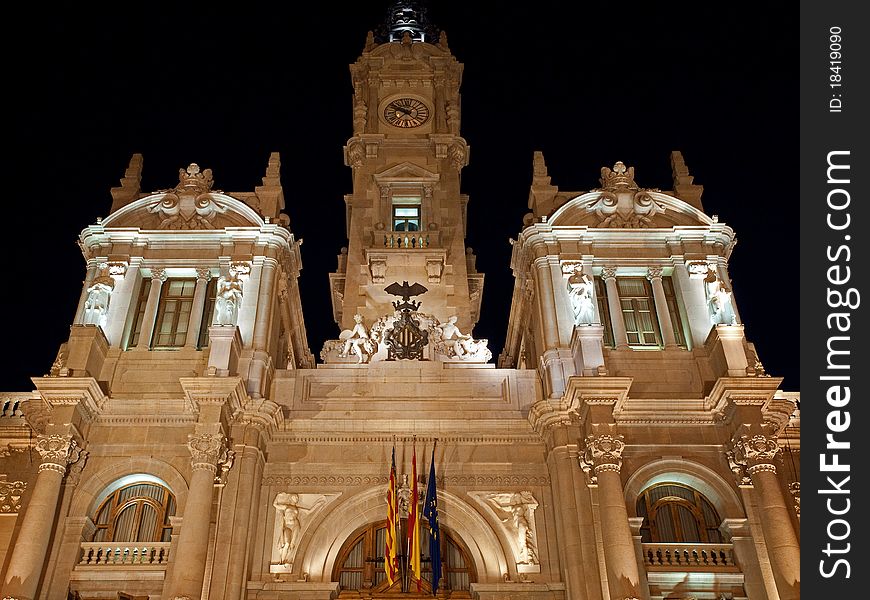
x=430, y=512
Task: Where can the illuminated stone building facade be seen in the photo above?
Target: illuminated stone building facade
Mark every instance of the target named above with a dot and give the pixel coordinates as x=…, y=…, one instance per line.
x=186, y=443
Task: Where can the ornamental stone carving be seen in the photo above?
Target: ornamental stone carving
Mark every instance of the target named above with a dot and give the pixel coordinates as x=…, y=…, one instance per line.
x=294, y=512
x=602, y=452
x=580, y=293
x=190, y=205
x=57, y=451
x=357, y=340
x=207, y=450
x=203, y=273
x=718, y=300
x=461, y=346
x=608, y=273
x=10, y=496
x=518, y=514
x=794, y=489
x=654, y=273
x=228, y=298
x=97, y=301
x=158, y=274
x=757, y=452
x=621, y=203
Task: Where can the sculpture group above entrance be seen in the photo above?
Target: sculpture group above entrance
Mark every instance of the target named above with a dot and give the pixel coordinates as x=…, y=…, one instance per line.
x=406, y=334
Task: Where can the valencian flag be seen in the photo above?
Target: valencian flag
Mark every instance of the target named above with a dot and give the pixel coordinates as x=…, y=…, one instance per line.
x=430, y=512
x=414, y=525
x=391, y=563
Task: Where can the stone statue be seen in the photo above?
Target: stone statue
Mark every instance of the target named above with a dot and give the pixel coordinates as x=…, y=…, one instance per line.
x=580, y=290
x=97, y=303
x=291, y=512
x=519, y=507
x=228, y=299
x=357, y=339
x=719, y=300
x=463, y=345
x=403, y=497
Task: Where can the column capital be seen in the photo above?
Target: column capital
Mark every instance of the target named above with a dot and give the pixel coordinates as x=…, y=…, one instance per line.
x=602, y=452
x=57, y=451
x=752, y=454
x=608, y=273
x=207, y=450
x=158, y=274
x=654, y=273
x=203, y=273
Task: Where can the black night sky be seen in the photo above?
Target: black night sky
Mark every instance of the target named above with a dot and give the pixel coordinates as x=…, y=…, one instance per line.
x=586, y=83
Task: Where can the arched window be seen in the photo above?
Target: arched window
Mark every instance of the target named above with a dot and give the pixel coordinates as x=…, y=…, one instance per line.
x=361, y=562
x=137, y=512
x=676, y=513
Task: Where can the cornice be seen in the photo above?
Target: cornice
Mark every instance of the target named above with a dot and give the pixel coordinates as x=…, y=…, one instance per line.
x=372, y=479
x=82, y=392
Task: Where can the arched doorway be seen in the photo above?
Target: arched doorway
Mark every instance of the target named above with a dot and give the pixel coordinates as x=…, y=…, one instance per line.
x=359, y=569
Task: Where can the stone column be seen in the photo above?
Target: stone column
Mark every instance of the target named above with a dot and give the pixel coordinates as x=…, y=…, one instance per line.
x=620, y=338
x=560, y=464
x=756, y=453
x=80, y=311
x=29, y=554
x=158, y=276
x=547, y=302
x=665, y=324
x=203, y=275
x=207, y=450
x=603, y=457
x=243, y=528
x=262, y=326
x=689, y=283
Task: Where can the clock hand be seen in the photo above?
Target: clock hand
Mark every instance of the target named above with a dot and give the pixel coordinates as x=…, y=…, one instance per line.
x=403, y=110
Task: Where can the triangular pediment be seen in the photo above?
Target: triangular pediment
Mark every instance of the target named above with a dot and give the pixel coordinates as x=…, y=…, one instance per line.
x=405, y=171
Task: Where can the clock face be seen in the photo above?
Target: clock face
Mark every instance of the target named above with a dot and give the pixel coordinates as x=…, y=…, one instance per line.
x=406, y=113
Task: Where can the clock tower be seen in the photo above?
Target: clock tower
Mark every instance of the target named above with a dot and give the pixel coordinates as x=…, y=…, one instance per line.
x=406, y=216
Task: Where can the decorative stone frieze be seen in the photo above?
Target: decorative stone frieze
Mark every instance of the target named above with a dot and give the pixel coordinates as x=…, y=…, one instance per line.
x=10, y=496
x=207, y=450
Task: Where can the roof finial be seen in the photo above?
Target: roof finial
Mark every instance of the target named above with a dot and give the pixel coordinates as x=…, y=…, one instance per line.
x=407, y=17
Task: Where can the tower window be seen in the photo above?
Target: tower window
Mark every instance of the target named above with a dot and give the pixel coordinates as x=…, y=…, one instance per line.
x=173, y=313
x=638, y=311
x=406, y=213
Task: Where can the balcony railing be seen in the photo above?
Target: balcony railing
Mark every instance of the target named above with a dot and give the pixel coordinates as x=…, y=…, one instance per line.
x=406, y=239
x=108, y=553
x=695, y=557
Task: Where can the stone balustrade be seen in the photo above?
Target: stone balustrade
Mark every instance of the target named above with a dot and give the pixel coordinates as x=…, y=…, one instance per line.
x=129, y=554
x=407, y=239
x=695, y=556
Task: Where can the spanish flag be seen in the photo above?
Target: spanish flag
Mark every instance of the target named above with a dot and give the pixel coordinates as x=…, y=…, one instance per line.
x=391, y=563
x=414, y=525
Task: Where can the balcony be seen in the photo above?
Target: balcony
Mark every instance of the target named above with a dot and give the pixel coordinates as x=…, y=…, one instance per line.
x=99, y=554
x=406, y=240
x=689, y=557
